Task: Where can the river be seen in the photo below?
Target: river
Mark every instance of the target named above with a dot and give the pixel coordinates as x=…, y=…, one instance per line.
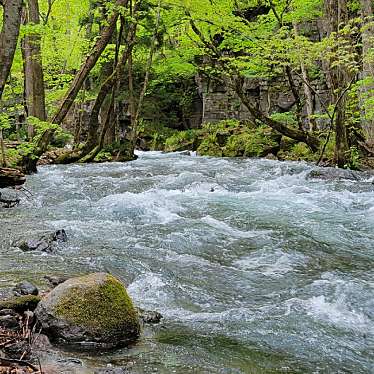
x=255, y=267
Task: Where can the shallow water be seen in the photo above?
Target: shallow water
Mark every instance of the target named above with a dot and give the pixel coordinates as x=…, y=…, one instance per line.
x=255, y=268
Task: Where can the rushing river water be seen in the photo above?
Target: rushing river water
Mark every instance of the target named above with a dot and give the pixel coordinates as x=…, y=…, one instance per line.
x=256, y=268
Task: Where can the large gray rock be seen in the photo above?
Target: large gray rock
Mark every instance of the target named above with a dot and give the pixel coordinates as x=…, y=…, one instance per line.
x=92, y=311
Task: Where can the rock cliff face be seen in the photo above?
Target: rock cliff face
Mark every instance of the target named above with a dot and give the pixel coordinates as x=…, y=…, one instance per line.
x=220, y=102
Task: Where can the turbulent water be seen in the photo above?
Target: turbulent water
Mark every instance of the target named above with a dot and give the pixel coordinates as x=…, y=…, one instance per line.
x=255, y=267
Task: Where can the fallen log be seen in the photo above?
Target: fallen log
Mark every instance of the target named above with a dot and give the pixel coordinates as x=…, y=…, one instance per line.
x=11, y=178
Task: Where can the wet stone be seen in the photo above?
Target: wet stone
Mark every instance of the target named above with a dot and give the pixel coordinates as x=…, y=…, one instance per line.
x=46, y=243
x=9, y=322
x=112, y=371
x=149, y=316
x=25, y=288
x=60, y=236
x=6, y=312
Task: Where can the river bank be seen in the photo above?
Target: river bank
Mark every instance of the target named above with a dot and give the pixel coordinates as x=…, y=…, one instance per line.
x=254, y=266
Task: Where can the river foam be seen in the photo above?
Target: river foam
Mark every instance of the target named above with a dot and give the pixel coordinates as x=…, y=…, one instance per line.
x=252, y=264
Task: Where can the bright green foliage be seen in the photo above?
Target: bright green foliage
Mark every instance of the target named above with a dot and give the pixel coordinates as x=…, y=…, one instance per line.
x=182, y=140
x=228, y=138
x=218, y=40
x=4, y=121
x=154, y=135
x=353, y=158
x=297, y=152
x=103, y=156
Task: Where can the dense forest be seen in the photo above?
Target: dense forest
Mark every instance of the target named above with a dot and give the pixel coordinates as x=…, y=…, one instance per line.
x=200, y=186
x=287, y=79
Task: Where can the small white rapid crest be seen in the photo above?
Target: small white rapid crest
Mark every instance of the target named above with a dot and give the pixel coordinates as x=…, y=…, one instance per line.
x=255, y=267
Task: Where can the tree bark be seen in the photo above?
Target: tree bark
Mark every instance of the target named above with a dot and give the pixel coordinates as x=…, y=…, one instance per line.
x=135, y=120
x=337, y=16
x=8, y=38
x=2, y=149
x=92, y=145
x=307, y=91
x=33, y=69
x=105, y=89
x=367, y=9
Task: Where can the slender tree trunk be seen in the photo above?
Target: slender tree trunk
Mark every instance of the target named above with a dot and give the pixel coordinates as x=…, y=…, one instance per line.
x=9, y=37
x=2, y=149
x=336, y=17
x=135, y=120
x=91, y=145
x=105, y=89
x=99, y=47
x=132, y=104
x=33, y=69
x=307, y=91
x=367, y=8
x=102, y=42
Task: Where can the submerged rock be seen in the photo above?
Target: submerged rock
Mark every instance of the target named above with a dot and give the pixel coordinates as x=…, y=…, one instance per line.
x=332, y=174
x=25, y=288
x=59, y=236
x=45, y=243
x=92, y=311
x=112, y=371
x=149, y=316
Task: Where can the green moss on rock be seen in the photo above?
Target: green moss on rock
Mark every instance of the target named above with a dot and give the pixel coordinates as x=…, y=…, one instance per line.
x=183, y=141
x=100, y=308
x=92, y=311
x=228, y=138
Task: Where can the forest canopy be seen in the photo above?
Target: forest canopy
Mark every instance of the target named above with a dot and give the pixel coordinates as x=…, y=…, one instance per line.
x=102, y=78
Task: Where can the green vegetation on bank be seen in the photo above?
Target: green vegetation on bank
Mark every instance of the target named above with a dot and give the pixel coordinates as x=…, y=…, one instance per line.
x=231, y=138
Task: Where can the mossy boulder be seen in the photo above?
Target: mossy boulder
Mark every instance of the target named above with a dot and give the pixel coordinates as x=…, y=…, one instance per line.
x=92, y=311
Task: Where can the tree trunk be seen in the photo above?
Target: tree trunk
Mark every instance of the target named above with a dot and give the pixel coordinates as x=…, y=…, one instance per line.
x=336, y=17
x=307, y=91
x=8, y=38
x=34, y=81
x=2, y=149
x=86, y=68
x=105, y=89
x=296, y=134
x=367, y=9
x=76, y=85
x=135, y=120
